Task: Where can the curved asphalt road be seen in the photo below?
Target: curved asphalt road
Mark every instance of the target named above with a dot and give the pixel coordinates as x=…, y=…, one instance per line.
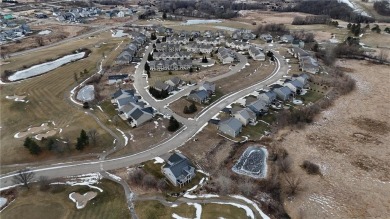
x=186, y=133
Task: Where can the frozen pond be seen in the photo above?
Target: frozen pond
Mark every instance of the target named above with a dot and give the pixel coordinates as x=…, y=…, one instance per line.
x=196, y=21
x=253, y=162
x=45, y=67
x=86, y=93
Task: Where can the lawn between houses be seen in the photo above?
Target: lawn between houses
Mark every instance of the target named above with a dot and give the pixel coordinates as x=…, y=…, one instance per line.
x=154, y=209
x=48, y=97
x=55, y=203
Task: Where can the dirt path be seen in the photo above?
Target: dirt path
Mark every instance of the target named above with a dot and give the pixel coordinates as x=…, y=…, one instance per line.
x=350, y=143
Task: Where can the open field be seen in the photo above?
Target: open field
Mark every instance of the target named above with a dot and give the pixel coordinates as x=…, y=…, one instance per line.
x=250, y=75
x=48, y=97
x=55, y=203
x=349, y=142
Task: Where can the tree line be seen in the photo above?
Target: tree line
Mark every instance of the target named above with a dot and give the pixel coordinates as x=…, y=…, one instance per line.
x=53, y=145
x=382, y=7
x=332, y=8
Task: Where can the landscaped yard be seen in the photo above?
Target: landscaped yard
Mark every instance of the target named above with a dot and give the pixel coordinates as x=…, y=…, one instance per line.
x=178, y=107
x=222, y=211
x=55, y=203
x=155, y=170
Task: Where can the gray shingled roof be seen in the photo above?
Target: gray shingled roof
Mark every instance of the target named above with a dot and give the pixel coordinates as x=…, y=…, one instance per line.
x=233, y=123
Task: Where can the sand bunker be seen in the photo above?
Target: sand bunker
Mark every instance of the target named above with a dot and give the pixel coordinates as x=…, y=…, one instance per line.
x=16, y=98
x=32, y=130
x=46, y=135
x=81, y=200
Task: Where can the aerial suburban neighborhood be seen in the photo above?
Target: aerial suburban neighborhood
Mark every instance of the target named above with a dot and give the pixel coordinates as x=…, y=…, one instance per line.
x=194, y=109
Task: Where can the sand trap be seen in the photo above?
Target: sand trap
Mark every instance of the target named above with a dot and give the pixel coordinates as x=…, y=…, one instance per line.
x=32, y=130
x=81, y=200
x=46, y=135
x=16, y=98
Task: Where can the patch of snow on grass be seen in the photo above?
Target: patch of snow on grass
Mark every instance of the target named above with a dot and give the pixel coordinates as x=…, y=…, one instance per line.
x=100, y=108
x=198, y=208
x=264, y=216
x=175, y=216
x=117, y=178
x=124, y=136
x=158, y=160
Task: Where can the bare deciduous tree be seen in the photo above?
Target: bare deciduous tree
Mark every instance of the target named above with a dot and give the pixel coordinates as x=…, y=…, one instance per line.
x=93, y=136
x=294, y=184
x=161, y=184
x=285, y=164
x=44, y=183
x=149, y=181
x=115, y=120
x=24, y=177
x=247, y=188
x=39, y=41
x=136, y=176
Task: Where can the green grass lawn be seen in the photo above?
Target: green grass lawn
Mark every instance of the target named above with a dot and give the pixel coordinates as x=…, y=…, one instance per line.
x=156, y=210
x=255, y=132
x=55, y=203
x=222, y=211
x=218, y=94
x=315, y=93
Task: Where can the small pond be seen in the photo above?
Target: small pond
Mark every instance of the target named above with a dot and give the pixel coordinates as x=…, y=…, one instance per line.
x=44, y=67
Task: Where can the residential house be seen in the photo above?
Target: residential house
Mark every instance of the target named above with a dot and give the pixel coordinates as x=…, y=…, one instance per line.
x=178, y=170
x=237, y=45
x=196, y=48
x=114, y=79
x=295, y=86
x=230, y=126
x=245, y=116
x=135, y=114
x=259, y=107
x=256, y=53
x=283, y=93
x=309, y=64
x=178, y=39
x=121, y=93
x=208, y=86
x=266, y=37
x=287, y=38
x=167, y=47
x=171, y=55
x=170, y=65
x=226, y=55
x=161, y=86
x=199, y=96
x=243, y=34
x=303, y=78
x=268, y=97
x=298, y=43
x=174, y=82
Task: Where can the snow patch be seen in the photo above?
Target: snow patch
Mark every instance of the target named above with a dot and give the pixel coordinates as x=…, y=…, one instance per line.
x=124, y=136
x=198, y=208
x=158, y=160
x=117, y=178
x=264, y=216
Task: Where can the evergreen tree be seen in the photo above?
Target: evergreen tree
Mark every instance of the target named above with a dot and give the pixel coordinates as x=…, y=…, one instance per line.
x=34, y=148
x=147, y=67
x=153, y=36
x=192, y=108
x=186, y=110
x=173, y=124
x=191, y=70
x=158, y=41
x=164, y=15
x=27, y=142
x=50, y=144
x=148, y=73
x=82, y=141
x=150, y=57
